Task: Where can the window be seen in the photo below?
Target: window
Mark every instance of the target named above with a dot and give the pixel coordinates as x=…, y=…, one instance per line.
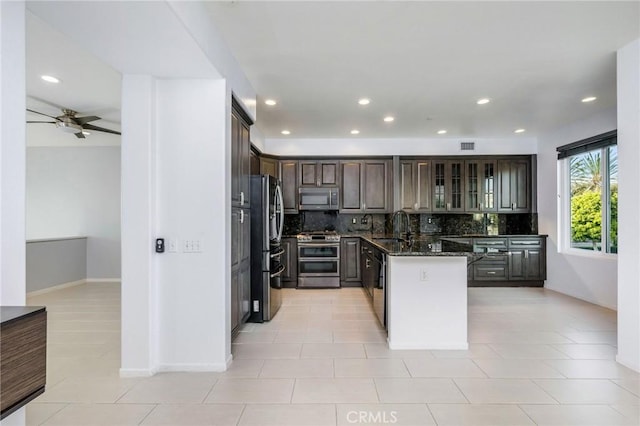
x=590, y=217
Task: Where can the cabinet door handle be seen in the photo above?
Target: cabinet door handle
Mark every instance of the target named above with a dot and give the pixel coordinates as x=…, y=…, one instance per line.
x=480, y=206
x=364, y=206
x=367, y=263
x=241, y=216
x=242, y=198
x=491, y=272
x=448, y=206
x=416, y=206
x=513, y=206
x=526, y=254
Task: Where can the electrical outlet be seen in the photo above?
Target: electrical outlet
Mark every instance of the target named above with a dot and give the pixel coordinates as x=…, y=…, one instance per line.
x=191, y=246
x=353, y=220
x=424, y=275
x=429, y=220
x=364, y=221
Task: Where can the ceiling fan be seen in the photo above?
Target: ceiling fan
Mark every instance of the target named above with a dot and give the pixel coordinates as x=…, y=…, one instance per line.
x=68, y=122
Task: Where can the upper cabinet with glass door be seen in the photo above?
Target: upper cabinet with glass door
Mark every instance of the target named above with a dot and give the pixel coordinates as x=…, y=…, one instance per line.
x=448, y=185
x=480, y=186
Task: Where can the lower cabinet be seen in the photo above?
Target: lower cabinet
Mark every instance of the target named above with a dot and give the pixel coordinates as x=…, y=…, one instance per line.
x=290, y=261
x=350, y=262
x=240, y=266
x=509, y=261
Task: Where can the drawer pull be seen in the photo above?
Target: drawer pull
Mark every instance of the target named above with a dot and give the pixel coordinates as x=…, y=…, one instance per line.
x=491, y=272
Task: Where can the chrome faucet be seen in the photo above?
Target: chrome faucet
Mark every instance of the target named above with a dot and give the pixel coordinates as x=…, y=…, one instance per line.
x=396, y=229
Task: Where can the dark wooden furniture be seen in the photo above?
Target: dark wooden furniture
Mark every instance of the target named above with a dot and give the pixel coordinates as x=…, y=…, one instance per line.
x=366, y=186
x=514, y=185
x=290, y=261
x=415, y=185
x=23, y=356
x=289, y=177
x=269, y=166
x=350, y=262
x=318, y=173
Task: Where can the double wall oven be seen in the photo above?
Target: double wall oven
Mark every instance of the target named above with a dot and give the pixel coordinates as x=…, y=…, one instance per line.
x=319, y=260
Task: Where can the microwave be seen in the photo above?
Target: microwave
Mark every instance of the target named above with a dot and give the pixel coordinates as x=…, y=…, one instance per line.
x=325, y=198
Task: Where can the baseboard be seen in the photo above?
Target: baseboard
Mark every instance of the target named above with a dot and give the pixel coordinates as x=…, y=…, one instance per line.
x=631, y=366
x=56, y=288
x=104, y=280
x=188, y=368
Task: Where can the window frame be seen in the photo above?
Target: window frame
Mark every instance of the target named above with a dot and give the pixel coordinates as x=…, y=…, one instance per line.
x=566, y=152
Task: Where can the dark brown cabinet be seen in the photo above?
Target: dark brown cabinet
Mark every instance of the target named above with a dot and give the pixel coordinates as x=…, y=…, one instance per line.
x=527, y=259
x=290, y=261
x=240, y=213
x=415, y=185
x=289, y=178
x=318, y=173
x=350, y=261
x=269, y=166
x=366, y=186
x=514, y=185
x=480, y=186
x=448, y=185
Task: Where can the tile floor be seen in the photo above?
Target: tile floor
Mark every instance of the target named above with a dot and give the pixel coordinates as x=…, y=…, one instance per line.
x=535, y=357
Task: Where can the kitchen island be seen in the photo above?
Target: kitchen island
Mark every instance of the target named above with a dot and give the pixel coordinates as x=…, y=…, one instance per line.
x=426, y=292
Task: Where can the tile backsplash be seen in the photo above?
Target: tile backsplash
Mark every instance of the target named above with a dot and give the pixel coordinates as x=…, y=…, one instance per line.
x=443, y=224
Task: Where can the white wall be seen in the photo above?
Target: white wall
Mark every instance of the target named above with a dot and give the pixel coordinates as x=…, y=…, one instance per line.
x=12, y=153
x=628, y=73
x=76, y=192
x=364, y=146
x=586, y=277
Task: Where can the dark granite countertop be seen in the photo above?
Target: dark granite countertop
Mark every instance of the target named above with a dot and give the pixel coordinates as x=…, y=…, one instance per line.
x=12, y=313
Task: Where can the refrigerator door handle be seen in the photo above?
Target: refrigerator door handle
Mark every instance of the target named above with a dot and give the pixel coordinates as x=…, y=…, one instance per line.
x=278, y=272
x=280, y=211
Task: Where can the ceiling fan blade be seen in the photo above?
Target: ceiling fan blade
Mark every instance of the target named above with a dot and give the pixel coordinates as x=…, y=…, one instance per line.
x=49, y=122
x=83, y=120
x=99, y=129
x=79, y=135
x=42, y=113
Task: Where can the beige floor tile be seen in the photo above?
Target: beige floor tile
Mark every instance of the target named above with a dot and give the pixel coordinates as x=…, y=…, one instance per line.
x=503, y=391
x=588, y=351
x=575, y=415
x=266, y=351
x=333, y=350
x=582, y=391
x=629, y=411
x=246, y=368
x=590, y=337
x=526, y=351
x=531, y=337
x=632, y=385
x=383, y=367
x=67, y=350
x=297, y=368
x=479, y=415
x=359, y=336
x=36, y=414
x=99, y=414
x=318, y=391
x=384, y=414
x=476, y=350
x=171, y=388
x=250, y=337
x=418, y=391
x=289, y=414
x=592, y=369
x=194, y=415
x=443, y=368
x=304, y=337
x=87, y=390
x=251, y=391
x=381, y=350
x=517, y=369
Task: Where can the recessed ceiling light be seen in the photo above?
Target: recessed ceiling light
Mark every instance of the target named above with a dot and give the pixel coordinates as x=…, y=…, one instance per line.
x=50, y=79
x=589, y=99
x=84, y=132
x=285, y=132
x=270, y=102
x=519, y=131
x=364, y=101
x=355, y=131
x=442, y=132
x=483, y=101
x=389, y=119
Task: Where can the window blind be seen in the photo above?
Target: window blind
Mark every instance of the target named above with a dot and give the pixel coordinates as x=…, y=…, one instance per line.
x=589, y=144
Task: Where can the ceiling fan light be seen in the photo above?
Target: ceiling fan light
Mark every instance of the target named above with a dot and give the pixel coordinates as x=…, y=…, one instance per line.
x=69, y=127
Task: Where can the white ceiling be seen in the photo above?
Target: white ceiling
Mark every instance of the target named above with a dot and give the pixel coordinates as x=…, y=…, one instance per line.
x=426, y=63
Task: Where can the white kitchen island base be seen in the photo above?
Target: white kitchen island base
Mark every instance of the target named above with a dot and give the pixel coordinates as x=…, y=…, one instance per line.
x=427, y=302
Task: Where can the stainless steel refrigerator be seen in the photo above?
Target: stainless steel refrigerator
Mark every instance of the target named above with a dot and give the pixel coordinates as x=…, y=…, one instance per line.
x=267, y=220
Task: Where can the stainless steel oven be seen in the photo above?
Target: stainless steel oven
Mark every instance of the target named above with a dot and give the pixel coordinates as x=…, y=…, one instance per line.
x=319, y=260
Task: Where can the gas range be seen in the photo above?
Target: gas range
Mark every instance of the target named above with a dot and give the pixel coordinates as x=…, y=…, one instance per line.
x=318, y=236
